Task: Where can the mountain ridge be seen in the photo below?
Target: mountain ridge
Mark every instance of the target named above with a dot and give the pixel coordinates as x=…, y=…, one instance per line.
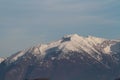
x=67, y=44
x=73, y=53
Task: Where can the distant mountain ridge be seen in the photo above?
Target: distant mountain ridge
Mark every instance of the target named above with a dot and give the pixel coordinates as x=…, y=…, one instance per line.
x=73, y=57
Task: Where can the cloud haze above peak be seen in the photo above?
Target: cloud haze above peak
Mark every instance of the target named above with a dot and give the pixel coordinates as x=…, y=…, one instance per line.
x=25, y=23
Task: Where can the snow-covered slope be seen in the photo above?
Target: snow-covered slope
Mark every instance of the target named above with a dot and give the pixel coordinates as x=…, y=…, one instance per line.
x=1, y=60
x=72, y=52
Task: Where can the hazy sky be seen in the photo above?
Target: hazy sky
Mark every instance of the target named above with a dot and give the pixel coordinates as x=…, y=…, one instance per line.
x=24, y=23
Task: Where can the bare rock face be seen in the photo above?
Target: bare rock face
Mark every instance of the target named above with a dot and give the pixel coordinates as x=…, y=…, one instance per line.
x=71, y=58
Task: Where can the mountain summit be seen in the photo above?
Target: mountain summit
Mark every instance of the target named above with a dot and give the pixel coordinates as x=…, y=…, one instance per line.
x=73, y=57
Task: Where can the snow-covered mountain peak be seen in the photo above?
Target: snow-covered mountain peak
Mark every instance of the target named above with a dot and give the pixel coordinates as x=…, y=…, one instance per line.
x=69, y=43
x=75, y=40
x=72, y=37
x=76, y=37
x=71, y=53
x=78, y=43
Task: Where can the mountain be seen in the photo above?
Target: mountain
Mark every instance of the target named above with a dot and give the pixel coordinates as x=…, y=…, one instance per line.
x=73, y=57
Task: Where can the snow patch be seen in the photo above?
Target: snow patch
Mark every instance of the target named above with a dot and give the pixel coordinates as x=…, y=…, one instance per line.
x=2, y=59
x=107, y=49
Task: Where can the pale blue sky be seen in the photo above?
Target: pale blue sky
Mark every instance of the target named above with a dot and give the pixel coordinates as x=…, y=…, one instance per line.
x=24, y=23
